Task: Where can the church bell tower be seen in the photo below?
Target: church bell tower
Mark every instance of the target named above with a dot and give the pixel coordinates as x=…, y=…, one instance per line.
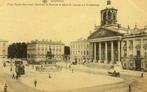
x=108, y=15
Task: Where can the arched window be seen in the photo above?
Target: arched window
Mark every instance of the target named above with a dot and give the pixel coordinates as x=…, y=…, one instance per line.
x=104, y=16
x=109, y=14
x=114, y=16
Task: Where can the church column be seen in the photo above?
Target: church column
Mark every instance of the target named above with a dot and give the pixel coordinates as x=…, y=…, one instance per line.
x=112, y=15
x=100, y=48
x=102, y=14
x=142, y=50
x=112, y=52
x=127, y=53
x=127, y=48
x=106, y=17
x=106, y=55
x=142, y=53
x=122, y=50
x=134, y=48
x=119, y=54
x=94, y=52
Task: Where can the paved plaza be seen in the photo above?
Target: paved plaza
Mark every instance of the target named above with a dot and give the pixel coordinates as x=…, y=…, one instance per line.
x=78, y=78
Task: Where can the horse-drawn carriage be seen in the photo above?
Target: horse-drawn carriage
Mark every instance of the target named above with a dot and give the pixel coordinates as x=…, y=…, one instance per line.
x=114, y=73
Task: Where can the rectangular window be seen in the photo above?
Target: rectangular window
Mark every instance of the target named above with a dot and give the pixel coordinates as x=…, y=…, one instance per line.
x=84, y=52
x=145, y=65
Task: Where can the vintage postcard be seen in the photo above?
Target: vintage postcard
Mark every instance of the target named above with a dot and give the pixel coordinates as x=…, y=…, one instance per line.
x=73, y=46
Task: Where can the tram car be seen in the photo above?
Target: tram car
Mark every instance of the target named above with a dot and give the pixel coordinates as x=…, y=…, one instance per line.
x=19, y=68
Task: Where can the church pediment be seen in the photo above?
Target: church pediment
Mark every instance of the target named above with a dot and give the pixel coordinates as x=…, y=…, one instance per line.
x=103, y=32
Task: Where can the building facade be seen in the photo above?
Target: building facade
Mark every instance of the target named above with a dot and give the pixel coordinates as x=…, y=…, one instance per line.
x=37, y=50
x=3, y=49
x=134, y=51
x=80, y=51
x=112, y=43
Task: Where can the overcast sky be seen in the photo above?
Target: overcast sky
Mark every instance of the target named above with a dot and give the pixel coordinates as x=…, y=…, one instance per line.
x=25, y=23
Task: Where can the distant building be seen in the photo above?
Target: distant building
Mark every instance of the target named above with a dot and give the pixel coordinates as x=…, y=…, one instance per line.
x=80, y=51
x=3, y=49
x=37, y=50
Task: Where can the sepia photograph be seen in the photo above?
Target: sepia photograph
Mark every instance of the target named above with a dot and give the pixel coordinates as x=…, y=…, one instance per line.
x=73, y=46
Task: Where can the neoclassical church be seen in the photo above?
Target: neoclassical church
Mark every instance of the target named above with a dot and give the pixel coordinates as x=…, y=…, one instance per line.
x=112, y=43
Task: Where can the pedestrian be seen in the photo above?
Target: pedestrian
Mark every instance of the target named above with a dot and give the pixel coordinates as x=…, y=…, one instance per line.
x=142, y=75
x=33, y=66
x=4, y=64
x=35, y=83
x=72, y=70
x=5, y=88
x=11, y=69
x=13, y=76
x=17, y=76
x=50, y=76
x=69, y=66
x=130, y=89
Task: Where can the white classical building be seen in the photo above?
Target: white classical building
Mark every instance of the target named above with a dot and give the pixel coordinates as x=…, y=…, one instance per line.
x=80, y=51
x=134, y=50
x=37, y=50
x=112, y=43
x=3, y=48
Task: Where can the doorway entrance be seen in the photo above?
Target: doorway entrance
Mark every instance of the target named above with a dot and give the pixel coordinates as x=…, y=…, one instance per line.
x=138, y=61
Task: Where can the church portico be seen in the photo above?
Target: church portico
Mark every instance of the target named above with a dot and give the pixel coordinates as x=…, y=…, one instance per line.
x=106, y=51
